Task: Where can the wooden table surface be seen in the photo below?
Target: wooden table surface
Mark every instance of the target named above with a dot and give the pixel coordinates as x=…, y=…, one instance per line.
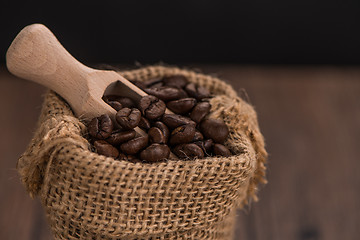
x=310, y=117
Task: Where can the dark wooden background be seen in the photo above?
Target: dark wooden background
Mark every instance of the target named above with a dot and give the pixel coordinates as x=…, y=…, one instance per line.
x=310, y=117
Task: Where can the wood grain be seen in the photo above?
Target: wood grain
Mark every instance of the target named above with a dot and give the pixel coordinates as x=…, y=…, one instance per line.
x=310, y=118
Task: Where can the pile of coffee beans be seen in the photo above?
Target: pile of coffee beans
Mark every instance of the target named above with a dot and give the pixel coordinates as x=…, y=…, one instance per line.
x=188, y=133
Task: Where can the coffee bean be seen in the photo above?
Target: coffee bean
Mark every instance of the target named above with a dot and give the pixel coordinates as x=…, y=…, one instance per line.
x=129, y=158
x=157, y=85
x=101, y=127
x=128, y=118
x=125, y=102
x=119, y=136
x=134, y=145
x=182, y=134
x=156, y=135
x=106, y=149
x=200, y=111
x=183, y=94
x=181, y=106
x=197, y=92
x=139, y=84
x=115, y=105
x=177, y=81
x=221, y=150
x=198, y=136
x=189, y=150
x=206, y=145
x=175, y=120
x=154, y=82
x=155, y=152
x=144, y=123
x=122, y=156
x=164, y=129
x=188, y=125
x=215, y=129
x=202, y=93
x=166, y=93
x=152, y=107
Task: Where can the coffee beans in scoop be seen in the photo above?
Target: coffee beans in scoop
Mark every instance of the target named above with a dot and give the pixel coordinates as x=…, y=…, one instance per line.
x=188, y=133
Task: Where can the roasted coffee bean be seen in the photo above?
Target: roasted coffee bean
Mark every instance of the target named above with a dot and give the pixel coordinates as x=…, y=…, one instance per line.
x=164, y=129
x=156, y=135
x=221, y=150
x=122, y=156
x=175, y=120
x=125, y=102
x=188, y=125
x=128, y=118
x=182, y=134
x=157, y=85
x=120, y=136
x=101, y=127
x=200, y=111
x=134, y=145
x=115, y=105
x=178, y=81
x=106, y=149
x=189, y=150
x=129, y=158
x=155, y=152
x=154, y=82
x=197, y=92
x=139, y=84
x=215, y=129
x=166, y=93
x=152, y=107
x=183, y=94
x=206, y=145
x=181, y=106
x=198, y=136
x=144, y=123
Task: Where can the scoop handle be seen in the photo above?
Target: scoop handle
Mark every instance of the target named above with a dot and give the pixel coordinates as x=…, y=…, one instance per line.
x=35, y=54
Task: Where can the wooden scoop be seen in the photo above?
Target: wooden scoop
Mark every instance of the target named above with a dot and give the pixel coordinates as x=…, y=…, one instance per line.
x=36, y=55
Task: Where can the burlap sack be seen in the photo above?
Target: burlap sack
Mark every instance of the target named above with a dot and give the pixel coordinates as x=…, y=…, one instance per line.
x=89, y=196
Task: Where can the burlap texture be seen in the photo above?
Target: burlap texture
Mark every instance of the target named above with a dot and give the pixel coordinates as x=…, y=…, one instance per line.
x=89, y=196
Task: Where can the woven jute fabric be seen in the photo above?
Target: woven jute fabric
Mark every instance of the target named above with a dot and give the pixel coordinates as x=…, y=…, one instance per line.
x=89, y=196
